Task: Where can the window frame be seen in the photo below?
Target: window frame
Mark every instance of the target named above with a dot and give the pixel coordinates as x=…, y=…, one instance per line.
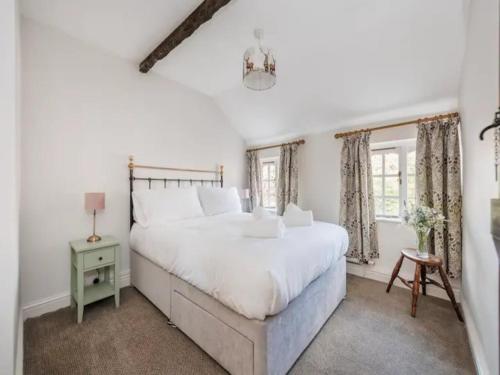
x=402, y=148
x=407, y=149
x=263, y=161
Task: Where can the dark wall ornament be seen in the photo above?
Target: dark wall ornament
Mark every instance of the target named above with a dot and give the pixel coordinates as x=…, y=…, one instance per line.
x=495, y=125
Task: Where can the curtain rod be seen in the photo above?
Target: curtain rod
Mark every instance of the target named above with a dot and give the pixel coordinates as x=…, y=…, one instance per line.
x=298, y=142
x=132, y=165
x=437, y=117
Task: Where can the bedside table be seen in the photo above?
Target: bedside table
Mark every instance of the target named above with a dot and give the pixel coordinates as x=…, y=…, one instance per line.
x=89, y=256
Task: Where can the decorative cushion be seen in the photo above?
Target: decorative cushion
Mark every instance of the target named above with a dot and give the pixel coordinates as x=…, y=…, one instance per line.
x=217, y=201
x=164, y=205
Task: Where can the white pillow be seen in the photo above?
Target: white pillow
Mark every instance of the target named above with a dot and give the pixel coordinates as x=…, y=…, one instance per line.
x=294, y=216
x=164, y=205
x=217, y=201
x=292, y=208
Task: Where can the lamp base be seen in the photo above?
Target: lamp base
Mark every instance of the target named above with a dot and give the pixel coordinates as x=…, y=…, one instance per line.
x=94, y=238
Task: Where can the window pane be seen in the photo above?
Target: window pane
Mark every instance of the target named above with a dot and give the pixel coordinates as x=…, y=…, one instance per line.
x=411, y=188
x=410, y=161
x=265, y=185
x=272, y=200
x=392, y=186
x=391, y=206
x=410, y=203
x=272, y=171
x=269, y=177
x=391, y=163
x=377, y=186
x=379, y=209
x=266, y=199
x=265, y=172
x=377, y=164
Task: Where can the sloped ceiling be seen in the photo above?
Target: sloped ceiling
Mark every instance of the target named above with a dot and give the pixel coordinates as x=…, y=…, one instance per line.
x=339, y=63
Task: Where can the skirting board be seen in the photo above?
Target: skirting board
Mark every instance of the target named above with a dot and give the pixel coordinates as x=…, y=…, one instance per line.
x=364, y=271
x=60, y=301
x=474, y=342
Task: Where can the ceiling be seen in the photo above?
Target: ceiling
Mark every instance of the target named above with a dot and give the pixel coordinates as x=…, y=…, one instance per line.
x=339, y=63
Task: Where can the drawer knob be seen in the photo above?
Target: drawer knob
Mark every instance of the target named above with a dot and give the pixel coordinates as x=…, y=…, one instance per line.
x=100, y=258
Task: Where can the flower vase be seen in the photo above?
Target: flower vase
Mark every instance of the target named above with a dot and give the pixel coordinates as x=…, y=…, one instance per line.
x=422, y=237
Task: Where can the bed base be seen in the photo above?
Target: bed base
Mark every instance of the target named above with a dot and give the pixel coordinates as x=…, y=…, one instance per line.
x=240, y=345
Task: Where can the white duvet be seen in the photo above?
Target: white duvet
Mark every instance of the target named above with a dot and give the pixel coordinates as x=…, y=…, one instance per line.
x=254, y=277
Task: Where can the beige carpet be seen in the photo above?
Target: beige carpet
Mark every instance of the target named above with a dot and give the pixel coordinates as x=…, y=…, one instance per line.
x=370, y=333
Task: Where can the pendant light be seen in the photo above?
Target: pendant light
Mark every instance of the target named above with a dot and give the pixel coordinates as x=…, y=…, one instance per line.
x=259, y=66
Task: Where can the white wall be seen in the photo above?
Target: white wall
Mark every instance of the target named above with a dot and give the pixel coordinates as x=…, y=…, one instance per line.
x=479, y=100
x=9, y=188
x=83, y=113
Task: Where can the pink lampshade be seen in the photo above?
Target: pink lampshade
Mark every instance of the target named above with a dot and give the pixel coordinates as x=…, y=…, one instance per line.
x=94, y=201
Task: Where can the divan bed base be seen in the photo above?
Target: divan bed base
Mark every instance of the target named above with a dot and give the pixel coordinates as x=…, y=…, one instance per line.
x=240, y=345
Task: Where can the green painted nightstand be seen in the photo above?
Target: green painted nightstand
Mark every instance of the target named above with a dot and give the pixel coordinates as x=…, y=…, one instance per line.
x=88, y=256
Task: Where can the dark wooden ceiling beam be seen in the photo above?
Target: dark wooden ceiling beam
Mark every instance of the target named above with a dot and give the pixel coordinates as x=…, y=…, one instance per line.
x=203, y=13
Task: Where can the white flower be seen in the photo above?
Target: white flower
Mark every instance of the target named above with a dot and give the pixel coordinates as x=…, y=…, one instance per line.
x=423, y=218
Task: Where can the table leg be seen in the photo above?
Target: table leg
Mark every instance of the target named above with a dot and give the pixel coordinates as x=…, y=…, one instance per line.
x=116, y=276
x=117, y=286
x=72, y=285
x=80, y=289
x=415, y=290
x=450, y=293
x=423, y=273
x=395, y=273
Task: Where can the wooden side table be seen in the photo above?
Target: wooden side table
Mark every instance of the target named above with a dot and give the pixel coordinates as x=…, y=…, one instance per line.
x=421, y=278
x=88, y=256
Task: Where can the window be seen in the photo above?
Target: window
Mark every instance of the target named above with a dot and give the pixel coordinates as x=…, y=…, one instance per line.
x=386, y=182
x=269, y=182
x=393, y=170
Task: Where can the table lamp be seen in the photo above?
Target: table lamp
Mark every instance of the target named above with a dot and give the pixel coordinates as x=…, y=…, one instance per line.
x=245, y=196
x=94, y=202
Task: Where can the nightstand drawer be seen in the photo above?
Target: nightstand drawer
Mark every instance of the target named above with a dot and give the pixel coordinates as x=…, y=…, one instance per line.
x=98, y=257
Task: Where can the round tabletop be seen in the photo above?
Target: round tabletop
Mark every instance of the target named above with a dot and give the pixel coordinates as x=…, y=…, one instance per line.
x=432, y=260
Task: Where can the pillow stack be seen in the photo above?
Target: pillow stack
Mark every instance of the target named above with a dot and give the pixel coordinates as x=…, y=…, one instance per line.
x=156, y=207
x=267, y=225
x=264, y=225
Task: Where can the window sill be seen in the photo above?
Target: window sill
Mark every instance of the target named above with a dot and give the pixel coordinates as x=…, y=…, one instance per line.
x=396, y=220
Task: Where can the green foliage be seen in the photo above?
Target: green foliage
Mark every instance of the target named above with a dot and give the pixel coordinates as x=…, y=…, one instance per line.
x=423, y=218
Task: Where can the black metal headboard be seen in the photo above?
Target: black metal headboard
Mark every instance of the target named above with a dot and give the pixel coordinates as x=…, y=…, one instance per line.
x=217, y=181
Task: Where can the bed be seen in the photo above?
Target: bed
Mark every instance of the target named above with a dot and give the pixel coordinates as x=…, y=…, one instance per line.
x=253, y=305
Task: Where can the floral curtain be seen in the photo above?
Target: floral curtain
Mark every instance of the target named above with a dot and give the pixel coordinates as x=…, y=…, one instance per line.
x=288, y=177
x=439, y=186
x=357, y=207
x=254, y=179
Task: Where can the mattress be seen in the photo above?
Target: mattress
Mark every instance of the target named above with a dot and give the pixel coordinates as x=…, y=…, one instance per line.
x=254, y=277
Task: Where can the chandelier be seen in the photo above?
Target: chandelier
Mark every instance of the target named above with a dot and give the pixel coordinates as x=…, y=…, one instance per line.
x=259, y=66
